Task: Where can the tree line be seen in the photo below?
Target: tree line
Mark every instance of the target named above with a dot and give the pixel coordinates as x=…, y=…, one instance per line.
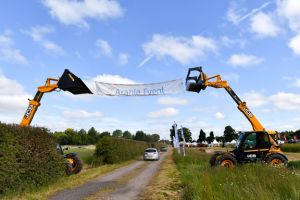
x=229, y=134
x=83, y=137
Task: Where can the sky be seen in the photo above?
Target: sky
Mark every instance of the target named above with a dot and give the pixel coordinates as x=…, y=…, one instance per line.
x=254, y=45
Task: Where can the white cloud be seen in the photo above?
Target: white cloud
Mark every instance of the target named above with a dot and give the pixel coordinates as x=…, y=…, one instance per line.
x=172, y=101
x=294, y=44
x=244, y=60
x=105, y=78
x=286, y=101
x=264, y=25
x=219, y=115
x=104, y=48
x=182, y=49
x=290, y=10
x=13, y=98
x=228, y=42
x=204, y=109
x=297, y=83
x=81, y=114
x=123, y=58
x=166, y=112
x=38, y=34
x=72, y=12
x=255, y=99
x=231, y=76
x=8, y=52
x=236, y=15
x=117, y=79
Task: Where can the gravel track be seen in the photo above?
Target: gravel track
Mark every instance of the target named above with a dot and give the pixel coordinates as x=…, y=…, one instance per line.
x=129, y=190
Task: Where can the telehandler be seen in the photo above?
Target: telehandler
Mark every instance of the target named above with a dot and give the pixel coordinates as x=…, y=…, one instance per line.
x=254, y=146
x=67, y=82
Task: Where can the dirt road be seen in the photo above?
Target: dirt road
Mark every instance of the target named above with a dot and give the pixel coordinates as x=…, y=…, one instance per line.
x=124, y=183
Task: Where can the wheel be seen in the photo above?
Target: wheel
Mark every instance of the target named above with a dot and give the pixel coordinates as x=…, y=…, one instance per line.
x=226, y=160
x=277, y=159
x=76, y=164
x=213, y=158
x=68, y=168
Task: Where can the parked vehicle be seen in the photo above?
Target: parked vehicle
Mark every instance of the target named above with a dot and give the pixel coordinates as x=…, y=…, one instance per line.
x=151, y=154
x=163, y=149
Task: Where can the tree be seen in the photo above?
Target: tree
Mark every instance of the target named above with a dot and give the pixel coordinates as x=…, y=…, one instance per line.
x=154, y=138
x=117, y=133
x=210, y=138
x=221, y=139
x=229, y=134
x=140, y=135
x=71, y=136
x=127, y=135
x=202, y=136
x=105, y=134
x=92, y=135
x=186, y=132
x=83, y=137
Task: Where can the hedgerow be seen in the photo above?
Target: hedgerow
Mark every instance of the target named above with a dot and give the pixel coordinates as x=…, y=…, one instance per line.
x=28, y=159
x=111, y=150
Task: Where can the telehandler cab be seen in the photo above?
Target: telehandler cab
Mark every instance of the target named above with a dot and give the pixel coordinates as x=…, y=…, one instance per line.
x=67, y=82
x=258, y=145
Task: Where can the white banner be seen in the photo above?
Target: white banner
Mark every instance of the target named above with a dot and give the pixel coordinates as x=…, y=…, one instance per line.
x=168, y=87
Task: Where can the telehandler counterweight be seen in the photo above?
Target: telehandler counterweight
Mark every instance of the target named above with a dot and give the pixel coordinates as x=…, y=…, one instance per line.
x=67, y=82
x=256, y=146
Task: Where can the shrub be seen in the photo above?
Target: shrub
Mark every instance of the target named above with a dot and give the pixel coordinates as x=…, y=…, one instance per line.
x=28, y=159
x=294, y=147
x=111, y=150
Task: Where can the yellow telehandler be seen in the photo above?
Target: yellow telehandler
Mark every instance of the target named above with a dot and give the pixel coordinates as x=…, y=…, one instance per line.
x=258, y=145
x=67, y=82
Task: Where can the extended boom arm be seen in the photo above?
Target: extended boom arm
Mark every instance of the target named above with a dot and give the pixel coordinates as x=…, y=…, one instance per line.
x=200, y=82
x=67, y=82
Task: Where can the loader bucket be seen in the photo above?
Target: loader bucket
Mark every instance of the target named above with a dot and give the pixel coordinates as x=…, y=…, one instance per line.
x=195, y=83
x=69, y=82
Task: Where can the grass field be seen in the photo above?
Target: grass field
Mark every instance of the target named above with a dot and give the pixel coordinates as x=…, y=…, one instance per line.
x=259, y=181
x=85, y=153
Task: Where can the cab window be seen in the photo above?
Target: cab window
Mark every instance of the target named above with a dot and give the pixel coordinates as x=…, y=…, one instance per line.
x=250, y=142
x=263, y=141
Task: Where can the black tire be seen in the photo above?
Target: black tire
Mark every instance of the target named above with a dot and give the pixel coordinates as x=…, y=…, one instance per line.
x=226, y=160
x=213, y=158
x=277, y=159
x=76, y=165
x=68, y=168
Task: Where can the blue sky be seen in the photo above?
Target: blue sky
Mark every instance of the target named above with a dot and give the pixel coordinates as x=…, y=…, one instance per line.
x=254, y=45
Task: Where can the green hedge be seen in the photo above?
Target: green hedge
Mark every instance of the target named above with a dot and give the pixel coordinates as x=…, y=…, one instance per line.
x=294, y=147
x=28, y=159
x=111, y=150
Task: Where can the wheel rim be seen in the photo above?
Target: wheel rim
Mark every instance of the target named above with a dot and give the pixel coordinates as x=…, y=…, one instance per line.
x=227, y=163
x=70, y=160
x=276, y=161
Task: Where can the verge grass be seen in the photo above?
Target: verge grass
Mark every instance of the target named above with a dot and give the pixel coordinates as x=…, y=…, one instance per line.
x=166, y=183
x=251, y=181
x=68, y=182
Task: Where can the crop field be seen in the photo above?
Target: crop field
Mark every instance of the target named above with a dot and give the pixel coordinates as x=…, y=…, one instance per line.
x=259, y=181
x=293, y=147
